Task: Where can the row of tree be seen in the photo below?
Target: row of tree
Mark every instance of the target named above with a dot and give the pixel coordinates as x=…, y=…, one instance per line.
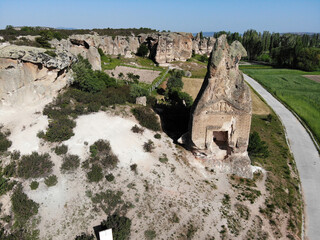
x=289, y=50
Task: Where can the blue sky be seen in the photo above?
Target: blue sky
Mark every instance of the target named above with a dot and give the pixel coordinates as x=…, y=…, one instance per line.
x=175, y=15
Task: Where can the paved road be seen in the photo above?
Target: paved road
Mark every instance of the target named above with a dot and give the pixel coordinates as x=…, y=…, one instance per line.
x=306, y=157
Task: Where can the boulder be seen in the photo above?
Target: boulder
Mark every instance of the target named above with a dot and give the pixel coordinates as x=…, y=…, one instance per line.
x=141, y=100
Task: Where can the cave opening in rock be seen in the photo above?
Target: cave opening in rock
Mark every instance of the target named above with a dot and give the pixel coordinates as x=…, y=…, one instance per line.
x=220, y=138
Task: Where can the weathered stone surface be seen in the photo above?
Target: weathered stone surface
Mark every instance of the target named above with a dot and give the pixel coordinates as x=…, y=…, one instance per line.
x=27, y=74
x=168, y=47
x=141, y=100
x=203, y=45
x=221, y=115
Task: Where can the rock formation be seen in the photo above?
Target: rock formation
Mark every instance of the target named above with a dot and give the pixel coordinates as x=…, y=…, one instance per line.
x=28, y=74
x=203, y=45
x=168, y=47
x=221, y=115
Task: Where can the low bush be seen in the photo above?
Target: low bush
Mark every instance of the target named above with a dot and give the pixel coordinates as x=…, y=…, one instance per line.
x=133, y=167
x=257, y=147
x=34, y=165
x=62, y=149
x=69, y=163
x=148, y=146
x=121, y=226
x=163, y=158
x=50, y=53
x=4, y=142
x=15, y=155
x=109, y=177
x=10, y=170
x=102, y=154
x=137, y=91
x=95, y=174
x=23, y=207
x=85, y=236
x=60, y=130
x=146, y=117
x=94, y=107
x=137, y=129
x=157, y=136
x=34, y=185
x=51, y=180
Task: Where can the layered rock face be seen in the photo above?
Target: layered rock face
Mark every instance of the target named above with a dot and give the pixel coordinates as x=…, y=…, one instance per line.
x=168, y=47
x=203, y=45
x=221, y=115
x=28, y=74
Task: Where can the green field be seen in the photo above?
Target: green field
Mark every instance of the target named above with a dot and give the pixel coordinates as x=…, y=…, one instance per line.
x=300, y=94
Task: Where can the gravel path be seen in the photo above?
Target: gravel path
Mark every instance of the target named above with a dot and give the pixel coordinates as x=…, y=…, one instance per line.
x=306, y=157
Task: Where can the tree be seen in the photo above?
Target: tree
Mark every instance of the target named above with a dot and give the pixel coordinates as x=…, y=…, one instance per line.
x=121, y=226
x=142, y=50
x=174, y=83
x=257, y=148
x=252, y=43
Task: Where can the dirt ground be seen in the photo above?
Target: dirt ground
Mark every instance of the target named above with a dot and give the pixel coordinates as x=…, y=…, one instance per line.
x=193, y=85
x=146, y=76
x=313, y=77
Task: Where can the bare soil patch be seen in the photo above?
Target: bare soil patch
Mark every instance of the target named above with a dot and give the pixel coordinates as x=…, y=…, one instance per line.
x=146, y=76
x=315, y=78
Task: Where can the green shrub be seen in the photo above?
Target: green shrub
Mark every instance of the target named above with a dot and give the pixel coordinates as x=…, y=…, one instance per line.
x=4, y=142
x=69, y=163
x=94, y=107
x=101, y=53
x=109, y=177
x=10, y=170
x=120, y=226
x=60, y=130
x=148, y=146
x=34, y=185
x=174, y=83
x=157, y=136
x=257, y=148
x=34, y=165
x=102, y=154
x=146, y=117
x=15, y=155
x=142, y=50
x=50, y=53
x=137, y=129
x=95, y=174
x=150, y=234
x=23, y=207
x=133, y=167
x=51, y=180
x=137, y=91
x=85, y=236
x=5, y=184
x=163, y=158
x=62, y=149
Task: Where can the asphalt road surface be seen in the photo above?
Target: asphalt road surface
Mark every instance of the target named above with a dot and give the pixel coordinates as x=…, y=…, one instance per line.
x=306, y=157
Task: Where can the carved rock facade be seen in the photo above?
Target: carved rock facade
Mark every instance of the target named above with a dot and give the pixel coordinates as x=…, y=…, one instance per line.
x=221, y=115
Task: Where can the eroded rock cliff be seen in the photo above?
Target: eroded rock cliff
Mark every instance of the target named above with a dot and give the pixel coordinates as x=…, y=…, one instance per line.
x=28, y=74
x=203, y=45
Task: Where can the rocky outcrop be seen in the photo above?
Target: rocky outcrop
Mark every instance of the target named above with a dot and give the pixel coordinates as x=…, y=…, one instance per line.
x=28, y=74
x=203, y=45
x=168, y=47
x=79, y=45
x=221, y=114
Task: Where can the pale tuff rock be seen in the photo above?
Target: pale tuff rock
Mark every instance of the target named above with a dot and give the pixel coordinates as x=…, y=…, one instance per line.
x=168, y=47
x=203, y=46
x=28, y=74
x=221, y=115
x=141, y=100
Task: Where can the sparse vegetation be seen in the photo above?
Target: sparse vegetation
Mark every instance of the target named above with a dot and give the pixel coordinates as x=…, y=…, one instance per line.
x=34, y=165
x=163, y=158
x=137, y=129
x=4, y=142
x=148, y=146
x=150, y=234
x=51, y=181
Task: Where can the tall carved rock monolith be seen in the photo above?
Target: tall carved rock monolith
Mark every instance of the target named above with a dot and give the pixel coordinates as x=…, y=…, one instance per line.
x=221, y=114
